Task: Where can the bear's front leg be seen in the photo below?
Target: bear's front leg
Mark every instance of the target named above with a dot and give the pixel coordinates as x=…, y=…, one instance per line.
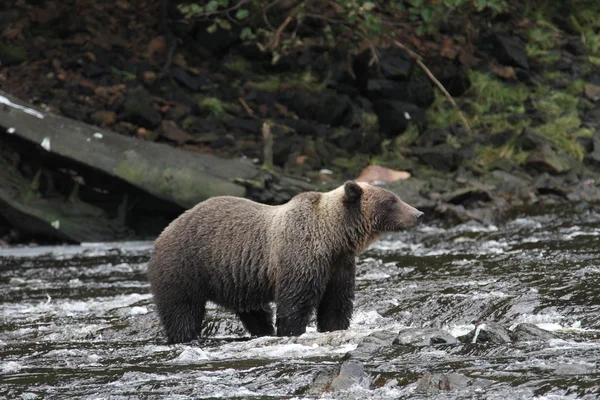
x=297, y=298
x=336, y=306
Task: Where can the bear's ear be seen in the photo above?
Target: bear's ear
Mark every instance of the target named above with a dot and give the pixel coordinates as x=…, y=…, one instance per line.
x=352, y=192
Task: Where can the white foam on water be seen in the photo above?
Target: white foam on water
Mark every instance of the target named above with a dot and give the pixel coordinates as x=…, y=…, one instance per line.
x=459, y=330
x=8, y=367
x=138, y=310
x=525, y=222
x=190, y=355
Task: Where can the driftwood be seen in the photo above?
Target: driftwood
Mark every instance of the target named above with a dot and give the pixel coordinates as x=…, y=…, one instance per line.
x=38, y=147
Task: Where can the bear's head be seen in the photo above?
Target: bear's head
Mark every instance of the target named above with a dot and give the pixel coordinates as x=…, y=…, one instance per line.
x=382, y=211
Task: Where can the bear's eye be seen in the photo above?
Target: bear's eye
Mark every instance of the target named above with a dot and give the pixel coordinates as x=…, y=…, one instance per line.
x=390, y=202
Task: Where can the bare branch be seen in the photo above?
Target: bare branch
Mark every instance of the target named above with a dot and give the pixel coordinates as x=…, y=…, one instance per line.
x=418, y=59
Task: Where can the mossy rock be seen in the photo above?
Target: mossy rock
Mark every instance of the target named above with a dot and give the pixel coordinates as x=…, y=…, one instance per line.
x=11, y=54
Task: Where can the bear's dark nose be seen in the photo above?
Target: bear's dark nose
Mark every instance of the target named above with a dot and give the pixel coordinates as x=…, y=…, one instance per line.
x=419, y=217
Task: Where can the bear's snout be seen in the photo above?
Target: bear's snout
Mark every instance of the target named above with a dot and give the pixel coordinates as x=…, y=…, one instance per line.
x=419, y=217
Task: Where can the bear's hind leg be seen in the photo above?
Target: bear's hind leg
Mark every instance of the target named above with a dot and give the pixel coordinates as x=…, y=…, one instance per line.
x=258, y=322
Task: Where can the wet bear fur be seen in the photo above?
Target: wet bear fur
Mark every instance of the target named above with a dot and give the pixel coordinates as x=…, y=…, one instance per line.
x=244, y=256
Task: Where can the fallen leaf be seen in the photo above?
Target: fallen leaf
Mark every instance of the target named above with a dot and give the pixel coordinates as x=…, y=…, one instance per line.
x=592, y=92
x=467, y=59
x=173, y=132
x=377, y=173
x=156, y=46
x=504, y=71
x=301, y=159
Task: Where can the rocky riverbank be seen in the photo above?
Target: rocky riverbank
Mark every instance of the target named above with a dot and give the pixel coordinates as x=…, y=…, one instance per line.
x=526, y=81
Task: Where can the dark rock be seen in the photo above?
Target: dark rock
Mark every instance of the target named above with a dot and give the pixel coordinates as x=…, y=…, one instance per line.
x=394, y=63
x=433, y=137
x=419, y=93
x=489, y=332
x=436, y=383
x=575, y=47
x=180, y=96
x=442, y=157
x=356, y=140
x=511, y=186
x=586, y=191
x=217, y=42
x=409, y=191
x=529, y=332
x=373, y=344
x=509, y=50
x=139, y=110
x=333, y=109
x=305, y=105
x=352, y=373
x=544, y=159
x=248, y=125
x=171, y=131
x=424, y=337
x=197, y=125
x=500, y=139
x=323, y=380
x=177, y=112
x=593, y=157
x=223, y=141
x=548, y=184
x=12, y=54
x=103, y=118
x=458, y=213
x=530, y=139
x=466, y=195
x=187, y=80
x=92, y=70
x=394, y=116
x=452, y=75
x=284, y=145
x=304, y=128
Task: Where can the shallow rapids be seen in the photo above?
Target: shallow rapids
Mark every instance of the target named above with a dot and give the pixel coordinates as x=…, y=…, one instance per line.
x=78, y=321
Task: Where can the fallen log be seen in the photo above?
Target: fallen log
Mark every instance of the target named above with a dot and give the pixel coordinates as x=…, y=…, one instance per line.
x=120, y=174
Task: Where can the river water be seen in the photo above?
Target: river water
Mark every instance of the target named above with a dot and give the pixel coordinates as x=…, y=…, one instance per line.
x=78, y=321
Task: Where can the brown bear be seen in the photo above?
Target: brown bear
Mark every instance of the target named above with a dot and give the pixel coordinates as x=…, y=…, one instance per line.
x=244, y=255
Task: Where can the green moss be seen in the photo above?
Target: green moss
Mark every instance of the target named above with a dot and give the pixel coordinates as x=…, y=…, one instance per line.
x=271, y=84
x=237, y=64
x=488, y=91
x=441, y=114
x=11, y=54
x=370, y=122
x=576, y=87
x=486, y=155
x=542, y=37
x=563, y=132
x=553, y=75
x=214, y=106
x=403, y=141
x=554, y=103
x=305, y=80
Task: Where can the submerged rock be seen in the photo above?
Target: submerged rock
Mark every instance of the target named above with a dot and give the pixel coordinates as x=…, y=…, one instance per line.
x=372, y=344
x=436, y=383
x=352, y=373
x=489, y=332
x=529, y=332
x=424, y=337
